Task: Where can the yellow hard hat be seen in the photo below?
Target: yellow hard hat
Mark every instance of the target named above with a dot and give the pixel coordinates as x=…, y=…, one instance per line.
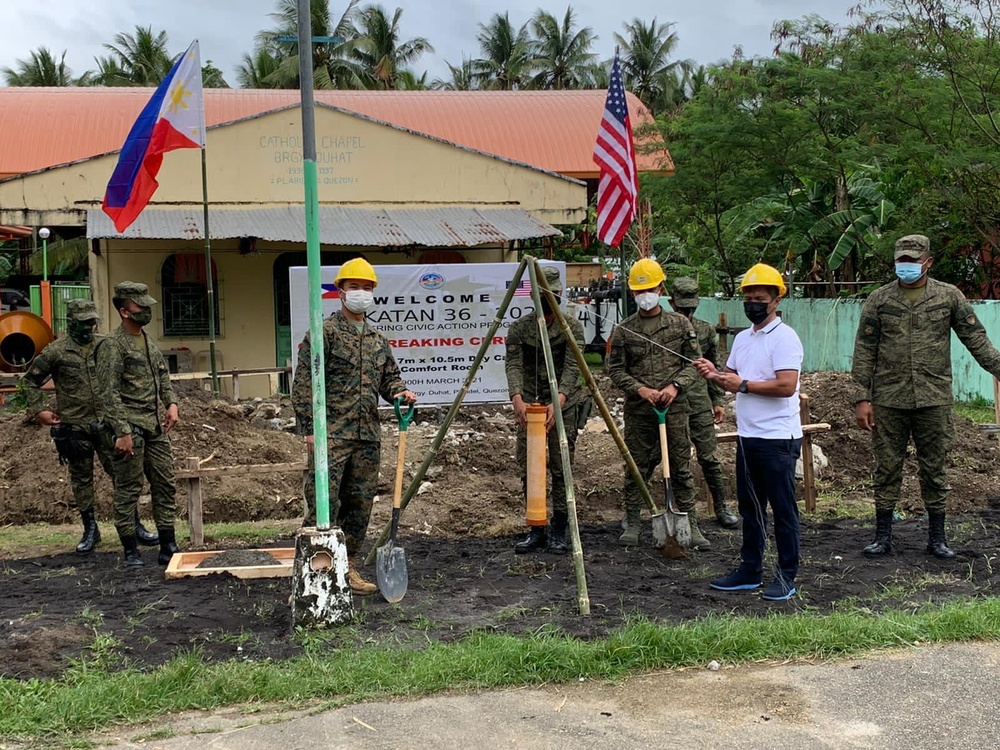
x=646, y=273
x=764, y=275
x=356, y=268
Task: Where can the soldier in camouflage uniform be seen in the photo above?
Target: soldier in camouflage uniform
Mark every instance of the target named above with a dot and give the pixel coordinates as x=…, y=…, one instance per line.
x=528, y=383
x=705, y=400
x=137, y=391
x=902, y=366
x=360, y=367
x=644, y=363
x=77, y=421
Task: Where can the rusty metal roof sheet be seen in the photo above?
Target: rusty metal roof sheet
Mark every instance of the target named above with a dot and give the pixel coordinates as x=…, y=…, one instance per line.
x=450, y=226
x=550, y=130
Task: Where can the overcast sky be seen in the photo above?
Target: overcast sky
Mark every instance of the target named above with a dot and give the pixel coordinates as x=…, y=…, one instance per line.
x=708, y=29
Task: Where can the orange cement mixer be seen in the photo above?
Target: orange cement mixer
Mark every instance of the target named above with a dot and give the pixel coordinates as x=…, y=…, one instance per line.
x=22, y=338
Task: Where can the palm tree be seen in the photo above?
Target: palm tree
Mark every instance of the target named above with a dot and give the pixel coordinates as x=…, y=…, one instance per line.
x=333, y=65
x=646, y=62
x=258, y=71
x=143, y=56
x=463, y=77
x=41, y=69
x=562, y=52
x=506, y=61
x=212, y=77
x=379, y=50
x=109, y=73
x=407, y=80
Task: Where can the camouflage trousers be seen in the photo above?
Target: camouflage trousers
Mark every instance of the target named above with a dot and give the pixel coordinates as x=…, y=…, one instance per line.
x=353, y=466
x=153, y=459
x=642, y=438
x=81, y=472
x=702, y=428
x=932, y=432
x=570, y=416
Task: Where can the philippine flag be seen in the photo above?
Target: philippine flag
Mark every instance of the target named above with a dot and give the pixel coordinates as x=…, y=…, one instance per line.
x=173, y=118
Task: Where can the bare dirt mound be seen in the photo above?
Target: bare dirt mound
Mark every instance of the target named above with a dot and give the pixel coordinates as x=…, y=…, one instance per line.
x=474, y=485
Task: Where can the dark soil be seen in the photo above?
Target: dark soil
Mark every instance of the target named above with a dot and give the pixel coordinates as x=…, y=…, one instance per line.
x=239, y=558
x=458, y=534
x=52, y=605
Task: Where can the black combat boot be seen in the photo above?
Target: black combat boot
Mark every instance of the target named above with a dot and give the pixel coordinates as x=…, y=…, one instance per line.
x=726, y=518
x=168, y=545
x=144, y=537
x=91, y=534
x=882, y=545
x=936, y=545
x=132, y=557
x=536, y=541
x=558, y=544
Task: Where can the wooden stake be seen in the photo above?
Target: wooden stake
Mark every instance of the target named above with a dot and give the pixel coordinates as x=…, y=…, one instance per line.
x=195, y=502
x=808, y=480
x=583, y=598
x=996, y=400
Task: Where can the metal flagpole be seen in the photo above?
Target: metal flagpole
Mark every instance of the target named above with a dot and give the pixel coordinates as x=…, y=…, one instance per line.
x=209, y=277
x=308, y=109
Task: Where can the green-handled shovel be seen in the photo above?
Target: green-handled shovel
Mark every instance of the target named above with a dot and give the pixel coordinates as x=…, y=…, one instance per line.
x=390, y=560
x=678, y=524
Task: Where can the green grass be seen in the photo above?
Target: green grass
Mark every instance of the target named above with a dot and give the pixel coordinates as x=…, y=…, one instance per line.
x=97, y=693
x=977, y=411
x=43, y=539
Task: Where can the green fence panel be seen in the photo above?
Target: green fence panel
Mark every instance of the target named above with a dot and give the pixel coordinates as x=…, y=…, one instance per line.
x=61, y=294
x=827, y=328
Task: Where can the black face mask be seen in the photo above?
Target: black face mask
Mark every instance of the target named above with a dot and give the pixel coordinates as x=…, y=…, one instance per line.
x=756, y=312
x=546, y=307
x=82, y=332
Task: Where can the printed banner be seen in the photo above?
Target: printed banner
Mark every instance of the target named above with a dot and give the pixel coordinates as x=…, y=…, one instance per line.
x=435, y=318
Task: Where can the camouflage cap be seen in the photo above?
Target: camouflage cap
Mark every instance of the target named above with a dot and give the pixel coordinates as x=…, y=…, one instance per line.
x=133, y=290
x=684, y=292
x=81, y=309
x=912, y=246
x=551, y=274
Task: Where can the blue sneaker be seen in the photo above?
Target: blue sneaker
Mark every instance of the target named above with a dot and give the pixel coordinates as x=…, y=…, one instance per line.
x=779, y=590
x=741, y=579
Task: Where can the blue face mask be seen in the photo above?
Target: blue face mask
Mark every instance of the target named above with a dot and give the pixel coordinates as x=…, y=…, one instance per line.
x=909, y=273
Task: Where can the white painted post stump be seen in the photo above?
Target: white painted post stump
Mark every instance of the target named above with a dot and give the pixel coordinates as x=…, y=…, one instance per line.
x=322, y=595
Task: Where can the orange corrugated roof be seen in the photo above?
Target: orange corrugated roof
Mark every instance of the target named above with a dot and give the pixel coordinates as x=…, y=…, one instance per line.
x=553, y=130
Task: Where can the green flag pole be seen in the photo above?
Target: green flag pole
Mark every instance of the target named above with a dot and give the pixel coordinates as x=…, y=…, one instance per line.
x=318, y=369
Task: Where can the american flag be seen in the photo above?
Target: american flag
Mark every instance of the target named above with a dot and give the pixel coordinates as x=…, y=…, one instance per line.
x=523, y=289
x=614, y=153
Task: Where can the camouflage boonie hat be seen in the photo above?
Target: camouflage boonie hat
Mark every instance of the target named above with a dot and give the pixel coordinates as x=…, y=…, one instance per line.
x=912, y=246
x=81, y=309
x=551, y=274
x=684, y=292
x=133, y=290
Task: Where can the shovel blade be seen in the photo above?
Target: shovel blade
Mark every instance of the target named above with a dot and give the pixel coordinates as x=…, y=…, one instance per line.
x=391, y=573
x=672, y=532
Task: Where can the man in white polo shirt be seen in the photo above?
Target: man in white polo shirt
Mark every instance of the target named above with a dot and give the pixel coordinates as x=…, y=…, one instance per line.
x=763, y=371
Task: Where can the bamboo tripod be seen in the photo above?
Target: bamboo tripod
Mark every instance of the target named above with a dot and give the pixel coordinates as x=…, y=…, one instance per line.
x=538, y=282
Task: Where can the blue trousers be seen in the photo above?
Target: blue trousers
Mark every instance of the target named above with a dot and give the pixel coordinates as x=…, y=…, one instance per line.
x=765, y=473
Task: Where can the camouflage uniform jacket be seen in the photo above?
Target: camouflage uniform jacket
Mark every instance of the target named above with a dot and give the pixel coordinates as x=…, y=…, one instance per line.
x=525, y=361
x=73, y=369
x=137, y=383
x=705, y=395
x=359, y=368
x=902, y=352
x=640, y=358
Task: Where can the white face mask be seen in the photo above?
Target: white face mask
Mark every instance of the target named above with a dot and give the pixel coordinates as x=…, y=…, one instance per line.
x=647, y=301
x=359, y=301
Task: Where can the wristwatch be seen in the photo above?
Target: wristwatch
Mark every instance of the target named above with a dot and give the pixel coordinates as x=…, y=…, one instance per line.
x=744, y=387
x=677, y=385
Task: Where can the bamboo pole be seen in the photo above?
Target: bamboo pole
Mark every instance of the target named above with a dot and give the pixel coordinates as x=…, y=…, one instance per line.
x=598, y=398
x=453, y=410
x=583, y=599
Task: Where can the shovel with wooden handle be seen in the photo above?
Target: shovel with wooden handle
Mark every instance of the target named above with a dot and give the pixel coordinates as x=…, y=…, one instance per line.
x=390, y=560
x=678, y=524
